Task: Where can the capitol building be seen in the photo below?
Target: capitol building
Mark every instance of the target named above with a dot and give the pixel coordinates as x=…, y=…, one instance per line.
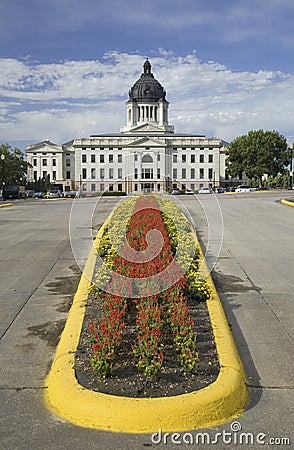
x=146, y=155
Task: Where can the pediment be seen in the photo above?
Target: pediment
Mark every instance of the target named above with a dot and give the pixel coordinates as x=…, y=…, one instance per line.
x=148, y=128
x=148, y=142
x=44, y=146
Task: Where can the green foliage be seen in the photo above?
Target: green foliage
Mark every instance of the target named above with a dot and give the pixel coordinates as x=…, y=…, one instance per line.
x=258, y=153
x=15, y=167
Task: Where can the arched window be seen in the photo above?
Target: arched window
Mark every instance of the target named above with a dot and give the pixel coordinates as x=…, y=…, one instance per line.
x=147, y=159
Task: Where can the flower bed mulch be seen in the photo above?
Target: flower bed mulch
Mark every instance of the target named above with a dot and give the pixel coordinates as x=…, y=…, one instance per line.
x=153, y=340
x=125, y=380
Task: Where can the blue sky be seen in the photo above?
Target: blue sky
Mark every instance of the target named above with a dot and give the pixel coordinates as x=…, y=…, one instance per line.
x=66, y=66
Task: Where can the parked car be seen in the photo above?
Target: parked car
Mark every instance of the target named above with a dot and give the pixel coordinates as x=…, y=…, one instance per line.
x=220, y=190
x=243, y=188
x=90, y=194
x=13, y=192
x=30, y=193
x=38, y=195
x=204, y=190
x=176, y=191
x=189, y=192
x=53, y=194
x=70, y=194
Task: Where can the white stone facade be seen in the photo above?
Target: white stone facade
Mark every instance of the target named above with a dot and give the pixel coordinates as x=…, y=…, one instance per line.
x=145, y=156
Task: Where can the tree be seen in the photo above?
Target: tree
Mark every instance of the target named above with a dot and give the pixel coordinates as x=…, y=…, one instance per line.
x=15, y=167
x=257, y=154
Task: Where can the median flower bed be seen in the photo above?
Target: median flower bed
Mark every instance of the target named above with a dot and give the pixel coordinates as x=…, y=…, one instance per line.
x=148, y=301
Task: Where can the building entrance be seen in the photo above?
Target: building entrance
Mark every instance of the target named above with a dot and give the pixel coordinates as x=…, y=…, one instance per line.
x=147, y=187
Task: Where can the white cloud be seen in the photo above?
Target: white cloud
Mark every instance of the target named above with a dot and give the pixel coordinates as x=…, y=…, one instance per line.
x=79, y=98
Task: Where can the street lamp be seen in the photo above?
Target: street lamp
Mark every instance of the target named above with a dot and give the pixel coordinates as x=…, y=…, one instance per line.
x=3, y=175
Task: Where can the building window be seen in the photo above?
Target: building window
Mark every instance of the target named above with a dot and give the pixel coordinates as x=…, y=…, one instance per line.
x=119, y=158
x=119, y=173
x=201, y=173
x=184, y=158
x=84, y=174
x=192, y=186
x=192, y=158
x=67, y=162
x=210, y=174
x=93, y=158
x=158, y=156
x=119, y=187
x=101, y=188
x=111, y=188
x=53, y=162
x=192, y=174
x=34, y=162
x=210, y=158
x=136, y=174
x=110, y=174
x=44, y=174
x=84, y=148
x=68, y=175
x=158, y=186
x=135, y=156
x=101, y=174
x=111, y=158
x=147, y=159
x=174, y=158
x=44, y=162
x=184, y=174
x=54, y=175
x=175, y=174
x=92, y=148
x=84, y=158
x=136, y=186
x=147, y=173
x=201, y=158
x=158, y=173
x=102, y=158
x=35, y=175
x=93, y=187
x=93, y=174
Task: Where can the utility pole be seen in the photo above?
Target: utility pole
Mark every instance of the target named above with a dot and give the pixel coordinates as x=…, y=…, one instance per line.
x=291, y=168
x=3, y=174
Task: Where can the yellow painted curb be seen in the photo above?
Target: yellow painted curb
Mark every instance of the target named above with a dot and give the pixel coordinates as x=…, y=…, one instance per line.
x=5, y=205
x=286, y=202
x=222, y=400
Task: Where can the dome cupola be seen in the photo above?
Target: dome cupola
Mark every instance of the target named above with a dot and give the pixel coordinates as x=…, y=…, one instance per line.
x=147, y=107
x=147, y=88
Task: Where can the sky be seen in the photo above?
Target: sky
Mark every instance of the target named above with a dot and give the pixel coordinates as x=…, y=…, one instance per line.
x=66, y=66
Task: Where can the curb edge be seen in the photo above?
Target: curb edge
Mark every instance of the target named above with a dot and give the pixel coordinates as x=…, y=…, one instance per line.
x=222, y=400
